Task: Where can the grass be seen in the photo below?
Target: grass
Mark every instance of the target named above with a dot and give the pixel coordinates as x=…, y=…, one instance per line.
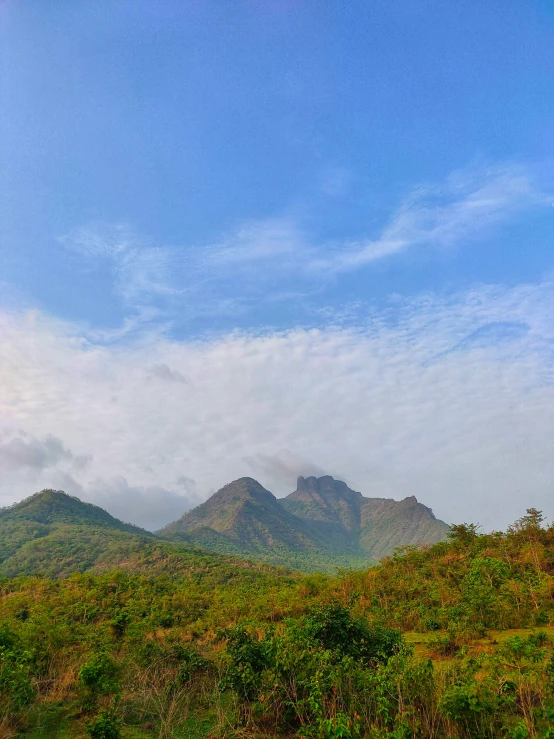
x=49, y=722
x=421, y=641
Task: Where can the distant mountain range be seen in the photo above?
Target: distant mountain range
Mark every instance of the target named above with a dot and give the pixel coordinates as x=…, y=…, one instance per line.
x=322, y=525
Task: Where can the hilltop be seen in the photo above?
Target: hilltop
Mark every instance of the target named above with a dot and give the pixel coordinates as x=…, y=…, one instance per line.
x=55, y=534
x=321, y=525
x=56, y=507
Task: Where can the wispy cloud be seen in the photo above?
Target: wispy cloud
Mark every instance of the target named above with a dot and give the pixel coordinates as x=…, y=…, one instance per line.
x=453, y=401
x=276, y=259
x=466, y=206
x=281, y=469
x=143, y=275
x=258, y=241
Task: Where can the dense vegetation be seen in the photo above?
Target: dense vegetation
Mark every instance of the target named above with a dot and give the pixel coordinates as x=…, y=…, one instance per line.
x=450, y=641
x=54, y=534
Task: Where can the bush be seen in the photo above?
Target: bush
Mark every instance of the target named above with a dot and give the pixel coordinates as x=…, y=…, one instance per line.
x=105, y=725
x=119, y=624
x=333, y=627
x=98, y=676
x=474, y=706
x=247, y=658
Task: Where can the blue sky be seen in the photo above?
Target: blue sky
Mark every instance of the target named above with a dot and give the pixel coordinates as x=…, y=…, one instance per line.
x=185, y=179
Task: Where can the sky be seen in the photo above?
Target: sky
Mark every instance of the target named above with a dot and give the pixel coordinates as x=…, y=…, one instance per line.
x=273, y=238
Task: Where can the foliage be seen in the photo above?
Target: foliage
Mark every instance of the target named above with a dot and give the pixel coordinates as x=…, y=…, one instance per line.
x=105, y=725
x=190, y=644
x=98, y=676
x=333, y=627
x=16, y=663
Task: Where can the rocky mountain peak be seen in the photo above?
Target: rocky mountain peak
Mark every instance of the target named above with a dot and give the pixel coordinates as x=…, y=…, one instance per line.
x=325, y=487
x=244, y=487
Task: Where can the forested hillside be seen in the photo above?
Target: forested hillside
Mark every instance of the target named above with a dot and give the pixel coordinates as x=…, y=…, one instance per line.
x=55, y=534
x=322, y=525
x=449, y=641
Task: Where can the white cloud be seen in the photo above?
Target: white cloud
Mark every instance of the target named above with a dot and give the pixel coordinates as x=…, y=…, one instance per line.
x=275, y=259
x=449, y=402
x=467, y=205
x=166, y=374
x=24, y=452
x=150, y=507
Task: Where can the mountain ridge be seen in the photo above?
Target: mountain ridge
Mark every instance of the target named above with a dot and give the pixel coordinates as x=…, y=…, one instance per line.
x=323, y=525
x=55, y=506
x=245, y=519
x=322, y=518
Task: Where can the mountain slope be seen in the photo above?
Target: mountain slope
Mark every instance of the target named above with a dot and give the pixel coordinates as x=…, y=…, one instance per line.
x=373, y=526
x=387, y=524
x=56, y=507
x=244, y=518
x=321, y=525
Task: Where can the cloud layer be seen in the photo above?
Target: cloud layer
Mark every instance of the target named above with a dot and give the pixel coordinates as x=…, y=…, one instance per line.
x=276, y=260
x=451, y=400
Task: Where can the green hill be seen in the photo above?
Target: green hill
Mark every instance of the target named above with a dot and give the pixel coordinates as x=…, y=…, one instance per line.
x=54, y=534
x=454, y=641
x=322, y=525
x=56, y=507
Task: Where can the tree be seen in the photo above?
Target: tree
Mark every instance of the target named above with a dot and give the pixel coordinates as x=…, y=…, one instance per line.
x=529, y=526
x=464, y=533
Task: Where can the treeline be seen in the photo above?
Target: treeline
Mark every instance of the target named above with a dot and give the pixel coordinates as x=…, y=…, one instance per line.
x=472, y=582
x=240, y=652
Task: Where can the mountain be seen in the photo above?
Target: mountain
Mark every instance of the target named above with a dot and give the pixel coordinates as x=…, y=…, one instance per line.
x=245, y=519
x=321, y=525
x=247, y=513
x=56, y=507
x=374, y=526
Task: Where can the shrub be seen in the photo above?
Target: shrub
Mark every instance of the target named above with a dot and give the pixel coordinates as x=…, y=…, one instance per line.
x=247, y=659
x=333, y=627
x=119, y=624
x=98, y=676
x=105, y=725
x=15, y=670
